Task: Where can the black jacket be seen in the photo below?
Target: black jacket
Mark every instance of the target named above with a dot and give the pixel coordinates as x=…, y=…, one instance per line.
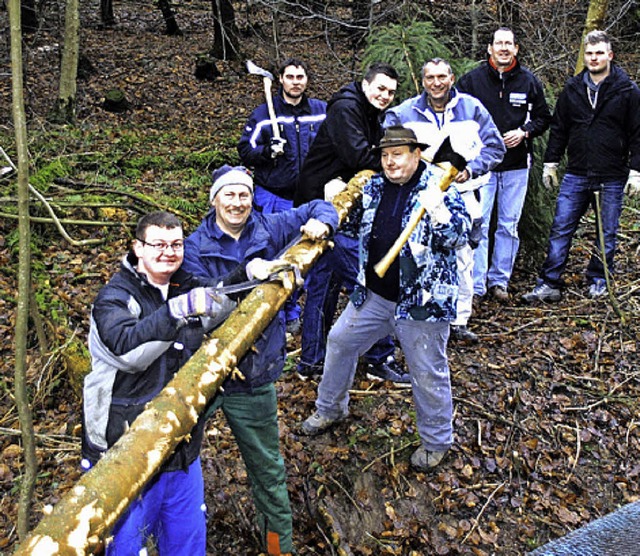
x=515, y=99
x=601, y=143
x=343, y=144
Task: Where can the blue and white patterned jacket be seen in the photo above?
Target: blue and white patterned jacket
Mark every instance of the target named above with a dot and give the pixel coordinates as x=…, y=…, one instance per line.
x=428, y=269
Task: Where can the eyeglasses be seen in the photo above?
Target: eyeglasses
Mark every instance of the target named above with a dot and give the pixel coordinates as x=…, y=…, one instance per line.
x=161, y=246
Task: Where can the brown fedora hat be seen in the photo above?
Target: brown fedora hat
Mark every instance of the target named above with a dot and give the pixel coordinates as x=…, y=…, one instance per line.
x=397, y=135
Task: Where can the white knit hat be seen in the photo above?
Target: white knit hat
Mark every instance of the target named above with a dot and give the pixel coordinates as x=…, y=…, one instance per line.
x=229, y=175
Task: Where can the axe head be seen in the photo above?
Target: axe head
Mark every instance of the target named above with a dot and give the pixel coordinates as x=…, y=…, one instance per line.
x=253, y=69
x=445, y=153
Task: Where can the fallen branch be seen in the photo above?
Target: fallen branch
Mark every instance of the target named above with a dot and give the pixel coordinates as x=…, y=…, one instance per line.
x=476, y=520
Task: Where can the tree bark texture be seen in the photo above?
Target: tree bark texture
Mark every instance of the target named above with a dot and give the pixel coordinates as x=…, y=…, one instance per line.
x=84, y=516
x=65, y=111
x=25, y=416
x=225, y=32
x=595, y=20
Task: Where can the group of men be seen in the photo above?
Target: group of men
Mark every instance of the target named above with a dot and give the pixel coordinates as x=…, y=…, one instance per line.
x=154, y=312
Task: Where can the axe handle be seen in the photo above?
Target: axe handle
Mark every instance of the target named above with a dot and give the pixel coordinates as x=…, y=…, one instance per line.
x=272, y=113
x=383, y=264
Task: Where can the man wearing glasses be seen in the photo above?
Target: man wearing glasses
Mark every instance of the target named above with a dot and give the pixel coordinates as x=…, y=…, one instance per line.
x=145, y=324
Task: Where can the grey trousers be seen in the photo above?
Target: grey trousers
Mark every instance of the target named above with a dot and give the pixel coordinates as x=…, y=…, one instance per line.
x=425, y=350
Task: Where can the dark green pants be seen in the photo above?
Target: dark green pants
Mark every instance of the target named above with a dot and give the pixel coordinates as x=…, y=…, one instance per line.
x=254, y=422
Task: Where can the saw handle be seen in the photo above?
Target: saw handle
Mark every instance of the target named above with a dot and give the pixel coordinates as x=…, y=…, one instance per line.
x=383, y=264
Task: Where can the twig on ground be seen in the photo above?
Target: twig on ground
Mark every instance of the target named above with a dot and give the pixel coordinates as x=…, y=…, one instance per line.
x=476, y=521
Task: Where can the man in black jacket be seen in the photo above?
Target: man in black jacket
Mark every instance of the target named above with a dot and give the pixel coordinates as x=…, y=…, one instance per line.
x=343, y=147
x=515, y=99
x=597, y=121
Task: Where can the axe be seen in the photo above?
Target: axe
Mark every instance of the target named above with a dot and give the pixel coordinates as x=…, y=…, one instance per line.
x=445, y=153
x=267, y=79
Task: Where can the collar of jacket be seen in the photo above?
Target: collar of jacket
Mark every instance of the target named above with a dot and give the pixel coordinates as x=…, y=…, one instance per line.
x=511, y=70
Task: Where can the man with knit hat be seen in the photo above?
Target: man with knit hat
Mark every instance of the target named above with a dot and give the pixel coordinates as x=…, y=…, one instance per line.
x=230, y=234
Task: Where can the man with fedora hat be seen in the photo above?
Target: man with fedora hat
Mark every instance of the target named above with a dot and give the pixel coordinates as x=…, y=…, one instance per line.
x=415, y=299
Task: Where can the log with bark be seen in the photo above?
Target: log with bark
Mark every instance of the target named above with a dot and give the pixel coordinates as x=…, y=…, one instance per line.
x=82, y=519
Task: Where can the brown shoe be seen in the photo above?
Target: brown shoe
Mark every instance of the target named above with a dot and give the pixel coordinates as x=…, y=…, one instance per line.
x=499, y=293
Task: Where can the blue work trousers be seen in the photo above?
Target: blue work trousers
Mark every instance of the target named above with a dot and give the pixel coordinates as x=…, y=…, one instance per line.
x=576, y=195
x=424, y=345
x=172, y=509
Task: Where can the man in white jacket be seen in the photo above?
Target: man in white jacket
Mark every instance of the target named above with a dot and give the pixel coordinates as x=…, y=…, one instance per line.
x=441, y=111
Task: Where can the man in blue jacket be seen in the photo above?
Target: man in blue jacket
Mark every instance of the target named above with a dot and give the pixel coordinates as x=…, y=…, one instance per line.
x=515, y=99
x=597, y=121
x=233, y=234
x=276, y=162
x=415, y=299
x=145, y=324
x=442, y=110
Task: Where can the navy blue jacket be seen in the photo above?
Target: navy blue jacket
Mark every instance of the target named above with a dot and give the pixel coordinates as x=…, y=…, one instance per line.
x=298, y=125
x=515, y=99
x=602, y=143
x=343, y=145
x=136, y=347
x=211, y=252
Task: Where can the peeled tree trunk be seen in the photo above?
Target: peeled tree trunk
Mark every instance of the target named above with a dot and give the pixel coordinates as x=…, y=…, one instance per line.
x=84, y=516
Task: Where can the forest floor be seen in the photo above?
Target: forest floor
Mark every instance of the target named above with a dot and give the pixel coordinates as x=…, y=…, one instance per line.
x=546, y=404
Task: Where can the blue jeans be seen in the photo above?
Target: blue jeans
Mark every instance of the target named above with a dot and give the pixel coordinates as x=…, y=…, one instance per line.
x=171, y=508
x=336, y=268
x=270, y=203
x=576, y=194
x=509, y=190
x=424, y=345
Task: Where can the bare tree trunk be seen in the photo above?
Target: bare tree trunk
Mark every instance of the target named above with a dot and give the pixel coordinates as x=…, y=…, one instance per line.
x=29, y=15
x=106, y=13
x=171, y=25
x=595, y=20
x=225, y=33
x=65, y=110
x=24, y=275
x=86, y=514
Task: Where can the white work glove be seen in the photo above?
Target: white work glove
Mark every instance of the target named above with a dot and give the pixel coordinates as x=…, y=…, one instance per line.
x=277, y=146
x=261, y=269
x=315, y=230
x=632, y=187
x=432, y=200
x=332, y=188
x=201, y=302
x=550, y=175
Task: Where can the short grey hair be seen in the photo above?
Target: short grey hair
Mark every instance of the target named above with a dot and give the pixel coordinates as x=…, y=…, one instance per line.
x=595, y=37
x=436, y=62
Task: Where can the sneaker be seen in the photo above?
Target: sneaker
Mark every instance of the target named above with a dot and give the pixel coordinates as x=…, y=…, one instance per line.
x=461, y=333
x=499, y=293
x=317, y=424
x=389, y=369
x=598, y=288
x=422, y=460
x=294, y=326
x=306, y=371
x=543, y=292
